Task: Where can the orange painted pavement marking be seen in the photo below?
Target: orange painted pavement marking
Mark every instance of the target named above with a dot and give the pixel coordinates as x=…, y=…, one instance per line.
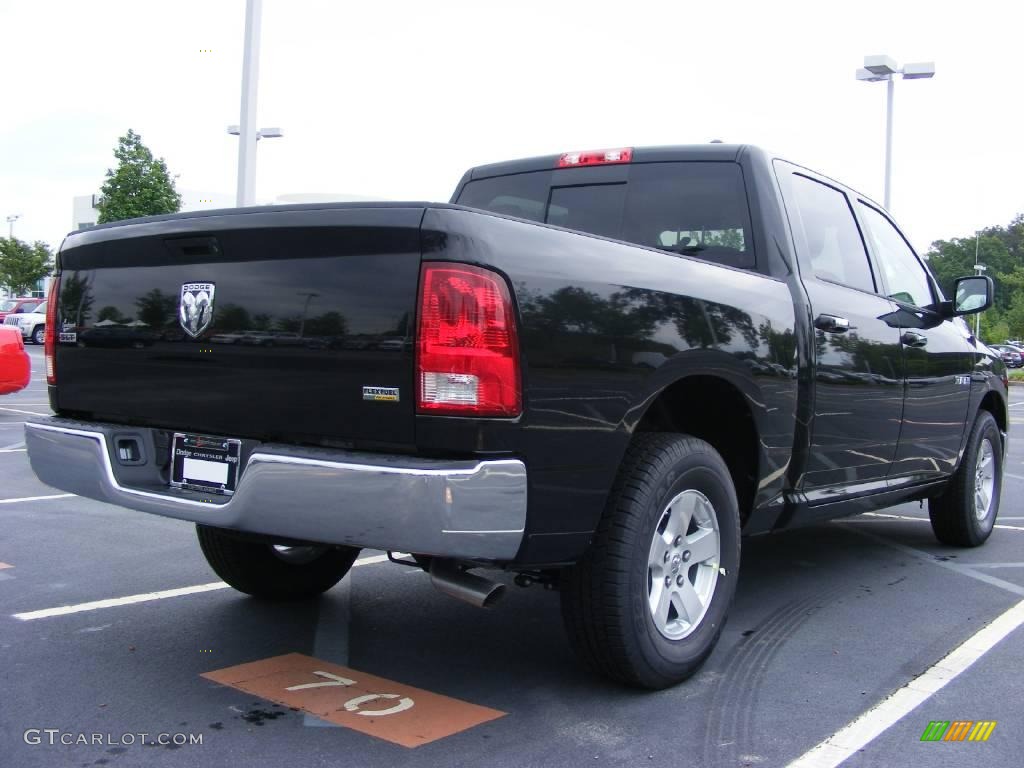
x=5, y=565
x=373, y=705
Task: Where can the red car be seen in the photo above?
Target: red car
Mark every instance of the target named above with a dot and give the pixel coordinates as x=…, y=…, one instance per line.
x=15, y=368
x=17, y=306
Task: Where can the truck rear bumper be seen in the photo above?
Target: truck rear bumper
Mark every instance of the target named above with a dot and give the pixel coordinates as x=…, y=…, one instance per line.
x=462, y=509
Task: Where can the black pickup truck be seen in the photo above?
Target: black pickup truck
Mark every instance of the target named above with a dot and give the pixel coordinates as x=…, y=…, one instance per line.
x=596, y=371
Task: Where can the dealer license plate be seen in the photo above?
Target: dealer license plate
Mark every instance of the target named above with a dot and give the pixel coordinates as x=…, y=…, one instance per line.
x=205, y=463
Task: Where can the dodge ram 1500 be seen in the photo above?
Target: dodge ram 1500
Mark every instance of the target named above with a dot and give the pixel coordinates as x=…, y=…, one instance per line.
x=596, y=370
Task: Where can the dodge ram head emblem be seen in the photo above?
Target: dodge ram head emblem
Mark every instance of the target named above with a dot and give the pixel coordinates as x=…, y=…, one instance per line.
x=195, y=311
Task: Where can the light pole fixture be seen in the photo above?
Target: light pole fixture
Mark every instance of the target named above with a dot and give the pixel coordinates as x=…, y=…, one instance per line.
x=979, y=269
x=262, y=133
x=878, y=68
x=10, y=224
x=246, y=131
x=310, y=295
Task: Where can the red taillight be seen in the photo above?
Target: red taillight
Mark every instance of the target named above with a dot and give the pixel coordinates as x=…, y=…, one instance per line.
x=50, y=339
x=596, y=157
x=467, y=350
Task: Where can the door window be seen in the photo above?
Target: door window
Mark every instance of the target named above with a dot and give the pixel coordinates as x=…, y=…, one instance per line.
x=905, y=277
x=827, y=234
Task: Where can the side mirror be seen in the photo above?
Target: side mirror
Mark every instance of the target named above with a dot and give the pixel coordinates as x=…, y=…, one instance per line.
x=15, y=368
x=971, y=295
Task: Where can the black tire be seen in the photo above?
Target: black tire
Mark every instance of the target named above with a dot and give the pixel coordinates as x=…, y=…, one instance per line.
x=955, y=520
x=605, y=595
x=258, y=569
x=39, y=334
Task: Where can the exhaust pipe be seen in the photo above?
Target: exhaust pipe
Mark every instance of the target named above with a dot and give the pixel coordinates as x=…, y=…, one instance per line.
x=462, y=585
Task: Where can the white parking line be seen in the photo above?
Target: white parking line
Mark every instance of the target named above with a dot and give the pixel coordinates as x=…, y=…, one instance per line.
x=1015, y=477
x=146, y=597
x=930, y=557
x=15, y=410
x=116, y=601
x=883, y=516
x=37, y=498
x=862, y=731
x=13, y=450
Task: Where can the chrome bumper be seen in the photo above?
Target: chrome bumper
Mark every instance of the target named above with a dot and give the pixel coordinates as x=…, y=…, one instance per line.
x=463, y=509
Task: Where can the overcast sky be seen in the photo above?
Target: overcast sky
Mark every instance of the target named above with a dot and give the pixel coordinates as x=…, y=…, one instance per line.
x=397, y=99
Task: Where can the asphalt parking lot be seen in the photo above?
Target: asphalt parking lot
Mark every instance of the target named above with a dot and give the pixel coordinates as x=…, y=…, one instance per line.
x=828, y=622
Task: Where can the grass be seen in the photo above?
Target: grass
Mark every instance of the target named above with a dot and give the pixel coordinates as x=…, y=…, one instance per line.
x=1017, y=375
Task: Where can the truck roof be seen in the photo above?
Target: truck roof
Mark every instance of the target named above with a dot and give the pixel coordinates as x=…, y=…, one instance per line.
x=661, y=154
x=692, y=152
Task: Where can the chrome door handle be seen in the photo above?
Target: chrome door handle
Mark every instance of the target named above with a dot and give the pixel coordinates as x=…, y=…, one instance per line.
x=832, y=324
x=914, y=339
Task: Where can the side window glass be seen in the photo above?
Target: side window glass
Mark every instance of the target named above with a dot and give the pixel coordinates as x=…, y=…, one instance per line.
x=827, y=234
x=905, y=277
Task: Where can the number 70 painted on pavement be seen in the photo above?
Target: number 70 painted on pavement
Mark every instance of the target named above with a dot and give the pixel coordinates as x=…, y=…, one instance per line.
x=354, y=704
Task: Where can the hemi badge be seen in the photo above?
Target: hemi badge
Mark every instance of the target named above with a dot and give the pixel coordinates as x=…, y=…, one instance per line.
x=381, y=394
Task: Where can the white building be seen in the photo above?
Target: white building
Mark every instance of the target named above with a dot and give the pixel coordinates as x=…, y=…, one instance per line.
x=85, y=212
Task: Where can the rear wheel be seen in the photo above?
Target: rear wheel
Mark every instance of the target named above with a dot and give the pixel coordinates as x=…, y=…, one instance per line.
x=646, y=604
x=963, y=516
x=274, y=572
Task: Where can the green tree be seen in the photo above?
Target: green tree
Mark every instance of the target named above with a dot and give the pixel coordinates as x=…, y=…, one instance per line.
x=112, y=314
x=950, y=259
x=329, y=324
x=23, y=265
x=1001, y=250
x=231, y=317
x=76, y=298
x=139, y=186
x=156, y=308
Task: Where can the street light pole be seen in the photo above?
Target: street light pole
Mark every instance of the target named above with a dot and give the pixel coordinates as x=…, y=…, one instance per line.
x=247, y=121
x=890, y=88
x=876, y=69
x=310, y=295
x=10, y=224
x=978, y=269
x=246, y=130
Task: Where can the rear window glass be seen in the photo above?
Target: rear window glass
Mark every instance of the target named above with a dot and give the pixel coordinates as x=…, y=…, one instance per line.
x=594, y=208
x=692, y=208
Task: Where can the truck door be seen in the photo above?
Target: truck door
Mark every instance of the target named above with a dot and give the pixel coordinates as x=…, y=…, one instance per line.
x=938, y=359
x=858, y=370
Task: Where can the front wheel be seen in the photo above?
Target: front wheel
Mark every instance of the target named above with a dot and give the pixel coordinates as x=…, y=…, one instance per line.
x=39, y=334
x=274, y=572
x=963, y=516
x=646, y=604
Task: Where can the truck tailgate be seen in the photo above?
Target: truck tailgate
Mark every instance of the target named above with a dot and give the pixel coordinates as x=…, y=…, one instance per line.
x=265, y=323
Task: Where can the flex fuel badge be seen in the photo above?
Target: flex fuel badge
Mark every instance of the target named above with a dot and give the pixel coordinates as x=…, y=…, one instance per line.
x=381, y=394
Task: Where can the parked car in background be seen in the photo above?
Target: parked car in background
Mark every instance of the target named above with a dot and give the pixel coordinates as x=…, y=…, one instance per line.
x=18, y=306
x=227, y=338
x=118, y=335
x=31, y=324
x=15, y=368
x=1012, y=356
x=258, y=339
